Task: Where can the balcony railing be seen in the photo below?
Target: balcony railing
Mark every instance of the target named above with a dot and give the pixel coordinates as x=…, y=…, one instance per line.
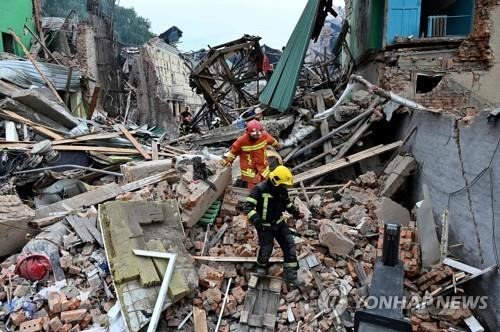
x=447, y=26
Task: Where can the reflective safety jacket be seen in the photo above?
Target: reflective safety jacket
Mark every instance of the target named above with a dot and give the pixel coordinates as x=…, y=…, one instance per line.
x=266, y=203
x=253, y=158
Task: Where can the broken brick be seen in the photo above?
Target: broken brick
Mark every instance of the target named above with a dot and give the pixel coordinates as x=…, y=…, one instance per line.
x=73, y=315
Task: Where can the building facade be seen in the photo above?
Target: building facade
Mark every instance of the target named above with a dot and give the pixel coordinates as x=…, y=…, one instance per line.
x=14, y=14
x=445, y=56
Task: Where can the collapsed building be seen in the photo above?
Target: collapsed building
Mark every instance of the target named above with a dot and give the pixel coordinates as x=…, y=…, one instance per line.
x=112, y=222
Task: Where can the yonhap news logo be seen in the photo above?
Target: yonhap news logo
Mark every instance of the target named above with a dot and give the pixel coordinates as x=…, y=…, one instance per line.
x=335, y=300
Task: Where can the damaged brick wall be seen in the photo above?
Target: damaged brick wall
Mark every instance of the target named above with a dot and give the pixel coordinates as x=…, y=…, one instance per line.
x=474, y=55
x=151, y=109
x=447, y=96
x=476, y=49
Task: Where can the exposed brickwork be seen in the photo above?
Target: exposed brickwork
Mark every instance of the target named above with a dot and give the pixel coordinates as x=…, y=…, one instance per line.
x=476, y=48
x=445, y=98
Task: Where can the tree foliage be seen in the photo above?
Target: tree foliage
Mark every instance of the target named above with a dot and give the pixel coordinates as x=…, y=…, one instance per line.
x=130, y=28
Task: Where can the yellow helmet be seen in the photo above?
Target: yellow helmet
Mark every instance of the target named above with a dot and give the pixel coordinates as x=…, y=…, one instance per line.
x=281, y=175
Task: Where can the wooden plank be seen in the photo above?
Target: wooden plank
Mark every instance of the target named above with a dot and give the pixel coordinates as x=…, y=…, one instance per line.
x=290, y=155
x=235, y=259
x=304, y=193
x=154, y=149
x=353, y=139
x=37, y=67
x=90, y=224
x=96, y=196
x=85, y=138
x=352, y=159
x=78, y=225
x=444, y=235
x=134, y=142
x=327, y=145
x=200, y=320
x=68, y=86
x=93, y=102
x=36, y=127
x=217, y=236
x=86, y=148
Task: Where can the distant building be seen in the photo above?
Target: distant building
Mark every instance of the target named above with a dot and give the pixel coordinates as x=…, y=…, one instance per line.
x=162, y=80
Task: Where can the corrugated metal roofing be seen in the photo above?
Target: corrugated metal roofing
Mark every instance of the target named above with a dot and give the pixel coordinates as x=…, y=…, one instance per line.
x=24, y=74
x=280, y=90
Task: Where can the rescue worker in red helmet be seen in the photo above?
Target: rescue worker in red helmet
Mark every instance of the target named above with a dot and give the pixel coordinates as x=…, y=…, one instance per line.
x=251, y=148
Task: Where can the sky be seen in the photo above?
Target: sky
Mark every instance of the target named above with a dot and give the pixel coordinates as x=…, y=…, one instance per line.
x=213, y=22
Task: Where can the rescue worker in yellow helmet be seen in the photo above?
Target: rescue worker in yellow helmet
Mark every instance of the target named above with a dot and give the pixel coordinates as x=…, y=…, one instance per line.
x=264, y=208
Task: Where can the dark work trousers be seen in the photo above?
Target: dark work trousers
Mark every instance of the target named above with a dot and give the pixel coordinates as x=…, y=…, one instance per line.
x=284, y=236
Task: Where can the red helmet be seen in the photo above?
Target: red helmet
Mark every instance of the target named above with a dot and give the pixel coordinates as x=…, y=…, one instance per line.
x=254, y=125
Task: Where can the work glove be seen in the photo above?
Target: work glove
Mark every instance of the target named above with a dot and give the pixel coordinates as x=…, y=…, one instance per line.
x=257, y=222
x=279, y=146
x=225, y=163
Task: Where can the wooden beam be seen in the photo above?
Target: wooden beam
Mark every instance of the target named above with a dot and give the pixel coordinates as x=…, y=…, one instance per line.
x=102, y=149
x=37, y=67
x=352, y=159
x=327, y=145
x=93, y=102
x=68, y=86
x=134, y=142
x=200, y=320
x=42, y=44
x=335, y=131
x=235, y=259
x=87, y=137
x=154, y=149
x=36, y=127
x=353, y=139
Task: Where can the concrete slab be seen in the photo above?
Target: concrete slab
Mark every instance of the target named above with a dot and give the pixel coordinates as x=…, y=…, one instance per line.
x=40, y=103
x=391, y=212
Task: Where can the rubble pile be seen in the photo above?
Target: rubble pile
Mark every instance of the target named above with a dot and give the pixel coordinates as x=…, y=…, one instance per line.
x=111, y=221
x=82, y=299
x=343, y=239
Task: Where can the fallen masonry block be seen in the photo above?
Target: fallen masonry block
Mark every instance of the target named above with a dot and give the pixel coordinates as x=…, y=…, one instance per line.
x=397, y=171
x=18, y=317
x=196, y=196
x=391, y=212
x=96, y=196
x=14, y=219
x=136, y=171
x=34, y=325
x=55, y=324
x=332, y=237
x=57, y=302
x=40, y=103
x=73, y=316
x=145, y=222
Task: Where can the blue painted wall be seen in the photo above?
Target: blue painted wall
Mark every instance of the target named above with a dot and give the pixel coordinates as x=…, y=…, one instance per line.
x=403, y=19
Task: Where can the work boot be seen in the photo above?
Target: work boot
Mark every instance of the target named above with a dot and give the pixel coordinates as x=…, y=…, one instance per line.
x=290, y=277
x=262, y=269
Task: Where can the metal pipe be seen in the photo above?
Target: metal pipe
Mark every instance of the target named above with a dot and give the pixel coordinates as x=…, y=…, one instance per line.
x=185, y=320
x=162, y=295
x=223, y=305
x=90, y=169
x=333, y=132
